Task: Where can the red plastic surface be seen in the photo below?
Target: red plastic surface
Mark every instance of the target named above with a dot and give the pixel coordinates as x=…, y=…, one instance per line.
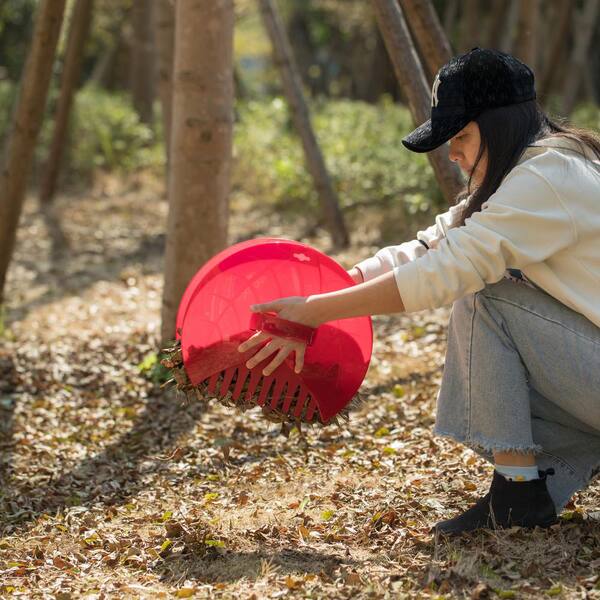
x=214, y=317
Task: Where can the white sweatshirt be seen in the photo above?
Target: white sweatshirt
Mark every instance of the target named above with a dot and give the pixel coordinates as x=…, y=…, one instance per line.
x=544, y=219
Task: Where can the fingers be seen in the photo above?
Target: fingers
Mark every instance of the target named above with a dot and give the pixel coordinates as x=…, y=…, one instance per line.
x=263, y=353
x=300, y=350
x=281, y=356
x=256, y=339
x=266, y=307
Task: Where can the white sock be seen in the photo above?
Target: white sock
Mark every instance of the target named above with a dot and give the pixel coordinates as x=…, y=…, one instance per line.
x=518, y=473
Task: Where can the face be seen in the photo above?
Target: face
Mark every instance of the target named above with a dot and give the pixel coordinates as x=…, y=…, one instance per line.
x=464, y=147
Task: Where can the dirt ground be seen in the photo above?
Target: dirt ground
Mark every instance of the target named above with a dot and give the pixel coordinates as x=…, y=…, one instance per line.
x=111, y=488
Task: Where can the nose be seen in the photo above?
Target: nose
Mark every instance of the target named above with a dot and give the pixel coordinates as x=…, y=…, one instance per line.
x=453, y=154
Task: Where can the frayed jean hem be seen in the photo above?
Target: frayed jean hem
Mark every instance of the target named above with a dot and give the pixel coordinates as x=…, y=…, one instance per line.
x=489, y=447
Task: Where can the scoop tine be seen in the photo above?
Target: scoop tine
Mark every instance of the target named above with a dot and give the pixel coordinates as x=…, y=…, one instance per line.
x=301, y=400
x=227, y=377
x=255, y=377
x=239, y=384
x=266, y=386
x=212, y=383
x=289, y=397
x=310, y=411
x=280, y=382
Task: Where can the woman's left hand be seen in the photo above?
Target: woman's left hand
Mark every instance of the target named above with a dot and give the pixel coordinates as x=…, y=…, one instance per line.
x=293, y=308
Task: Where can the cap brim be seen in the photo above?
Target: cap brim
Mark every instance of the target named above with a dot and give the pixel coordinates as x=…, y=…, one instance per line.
x=426, y=138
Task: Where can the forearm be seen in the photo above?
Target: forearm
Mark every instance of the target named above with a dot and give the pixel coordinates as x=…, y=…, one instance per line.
x=375, y=297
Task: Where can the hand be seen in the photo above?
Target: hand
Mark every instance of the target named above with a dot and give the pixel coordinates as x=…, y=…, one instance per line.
x=293, y=308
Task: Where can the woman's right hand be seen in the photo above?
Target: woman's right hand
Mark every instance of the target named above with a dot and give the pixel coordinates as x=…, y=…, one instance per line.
x=356, y=275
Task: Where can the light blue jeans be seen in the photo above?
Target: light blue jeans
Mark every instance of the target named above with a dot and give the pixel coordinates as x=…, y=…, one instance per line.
x=522, y=373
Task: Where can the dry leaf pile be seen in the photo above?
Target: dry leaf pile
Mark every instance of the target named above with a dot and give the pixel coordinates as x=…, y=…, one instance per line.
x=172, y=360
x=112, y=488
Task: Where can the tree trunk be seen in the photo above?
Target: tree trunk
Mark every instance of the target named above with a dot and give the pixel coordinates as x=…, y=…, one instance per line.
x=105, y=64
x=558, y=45
x=201, y=137
x=527, y=26
x=427, y=31
x=380, y=78
x=142, y=59
x=298, y=30
x=164, y=28
x=586, y=23
x=450, y=14
x=26, y=124
x=471, y=25
x=300, y=115
x=508, y=35
x=409, y=72
x=496, y=22
x=80, y=26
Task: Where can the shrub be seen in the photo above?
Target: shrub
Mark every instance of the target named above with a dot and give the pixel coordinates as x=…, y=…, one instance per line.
x=362, y=148
x=107, y=134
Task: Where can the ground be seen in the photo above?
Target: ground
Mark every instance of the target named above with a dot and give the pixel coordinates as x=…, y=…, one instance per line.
x=114, y=488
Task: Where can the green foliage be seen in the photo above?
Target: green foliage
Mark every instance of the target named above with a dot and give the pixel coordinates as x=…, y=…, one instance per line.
x=16, y=23
x=105, y=132
x=108, y=134
x=8, y=93
x=153, y=370
x=588, y=116
x=361, y=144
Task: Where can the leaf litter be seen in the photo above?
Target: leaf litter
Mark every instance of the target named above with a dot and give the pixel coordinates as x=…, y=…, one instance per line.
x=112, y=487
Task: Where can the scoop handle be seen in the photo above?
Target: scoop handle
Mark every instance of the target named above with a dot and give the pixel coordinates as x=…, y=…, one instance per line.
x=271, y=323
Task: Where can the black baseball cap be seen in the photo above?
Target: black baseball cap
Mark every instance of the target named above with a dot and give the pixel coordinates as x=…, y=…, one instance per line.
x=466, y=86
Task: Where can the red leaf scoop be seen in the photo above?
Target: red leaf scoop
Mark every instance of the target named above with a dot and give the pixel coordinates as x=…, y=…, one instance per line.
x=214, y=318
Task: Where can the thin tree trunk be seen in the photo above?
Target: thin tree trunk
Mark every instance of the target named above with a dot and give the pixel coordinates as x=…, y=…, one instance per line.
x=201, y=141
x=450, y=17
x=506, y=42
x=300, y=115
x=558, y=45
x=142, y=59
x=496, y=23
x=105, y=64
x=26, y=124
x=471, y=25
x=80, y=26
x=427, y=31
x=587, y=21
x=298, y=30
x=527, y=32
x=411, y=76
x=164, y=28
x=588, y=84
x=381, y=78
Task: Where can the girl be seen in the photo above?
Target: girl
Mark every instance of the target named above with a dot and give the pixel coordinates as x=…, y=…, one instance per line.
x=519, y=258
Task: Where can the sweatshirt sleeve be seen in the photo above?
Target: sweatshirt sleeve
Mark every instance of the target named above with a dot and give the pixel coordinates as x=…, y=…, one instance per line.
x=523, y=223
x=389, y=257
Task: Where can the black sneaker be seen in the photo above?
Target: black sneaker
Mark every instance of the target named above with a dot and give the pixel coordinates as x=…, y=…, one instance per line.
x=508, y=503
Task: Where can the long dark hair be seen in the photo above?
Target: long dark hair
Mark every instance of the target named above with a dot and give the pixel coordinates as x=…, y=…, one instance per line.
x=505, y=134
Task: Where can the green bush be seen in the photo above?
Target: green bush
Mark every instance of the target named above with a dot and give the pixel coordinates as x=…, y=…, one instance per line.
x=588, y=116
x=362, y=148
x=107, y=134
x=104, y=133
